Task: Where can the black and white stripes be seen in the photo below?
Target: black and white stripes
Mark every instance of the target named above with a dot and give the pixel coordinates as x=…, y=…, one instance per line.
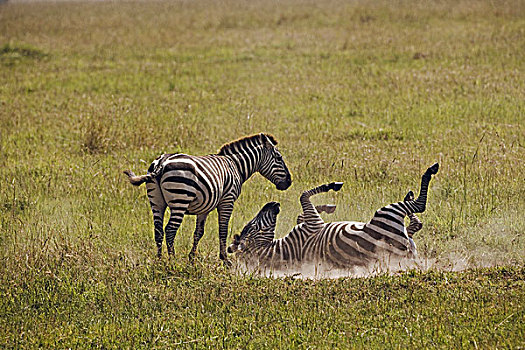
x=337, y=244
x=196, y=185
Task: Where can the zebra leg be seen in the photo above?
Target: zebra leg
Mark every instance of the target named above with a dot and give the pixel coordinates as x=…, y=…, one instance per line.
x=419, y=205
x=225, y=211
x=312, y=221
x=415, y=224
x=197, y=235
x=390, y=219
x=159, y=234
x=158, y=208
x=176, y=216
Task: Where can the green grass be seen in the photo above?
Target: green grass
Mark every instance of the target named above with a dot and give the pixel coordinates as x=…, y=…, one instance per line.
x=370, y=93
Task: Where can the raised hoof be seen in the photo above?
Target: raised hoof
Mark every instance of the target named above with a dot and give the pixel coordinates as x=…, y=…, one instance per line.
x=327, y=208
x=433, y=169
x=330, y=208
x=336, y=186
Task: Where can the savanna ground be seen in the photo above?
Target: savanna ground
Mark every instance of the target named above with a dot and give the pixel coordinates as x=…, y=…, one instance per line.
x=366, y=92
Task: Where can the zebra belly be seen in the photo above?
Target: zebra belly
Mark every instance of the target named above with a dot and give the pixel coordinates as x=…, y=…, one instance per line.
x=199, y=206
x=345, y=244
x=184, y=191
x=332, y=246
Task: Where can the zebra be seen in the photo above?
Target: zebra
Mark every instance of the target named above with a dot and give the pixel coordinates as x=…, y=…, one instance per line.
x=336, y=245
x=196, y=185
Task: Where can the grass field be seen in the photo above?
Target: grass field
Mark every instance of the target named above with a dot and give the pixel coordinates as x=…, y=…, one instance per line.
x=366, y=92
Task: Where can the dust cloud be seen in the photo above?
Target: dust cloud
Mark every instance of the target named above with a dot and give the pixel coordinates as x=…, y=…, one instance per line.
x=495, y=242
x=451, y=261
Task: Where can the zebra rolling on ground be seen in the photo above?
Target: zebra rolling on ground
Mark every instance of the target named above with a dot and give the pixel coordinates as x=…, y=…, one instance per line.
x=336, y=245
x=196, y=185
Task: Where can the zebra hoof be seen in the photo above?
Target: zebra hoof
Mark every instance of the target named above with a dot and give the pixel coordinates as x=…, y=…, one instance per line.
x=325, y=208
x=336, y=186
x=225, y=260
x=433, y=169
x=329, y=208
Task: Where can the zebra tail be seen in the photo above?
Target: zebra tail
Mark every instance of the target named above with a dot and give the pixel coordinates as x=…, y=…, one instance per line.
x=136, y=180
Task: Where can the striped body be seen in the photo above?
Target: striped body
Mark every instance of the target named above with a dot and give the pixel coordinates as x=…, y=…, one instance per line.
x=340, y=245
x=196, y=185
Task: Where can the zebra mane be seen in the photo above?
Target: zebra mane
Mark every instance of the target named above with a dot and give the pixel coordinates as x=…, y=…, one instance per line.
x=230, y=147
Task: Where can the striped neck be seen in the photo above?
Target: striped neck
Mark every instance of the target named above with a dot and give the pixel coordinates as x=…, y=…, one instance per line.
x=248, y=153
x=247, y=161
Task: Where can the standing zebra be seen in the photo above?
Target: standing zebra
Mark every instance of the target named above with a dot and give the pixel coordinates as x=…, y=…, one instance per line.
x=334, y=245
x=197, y=185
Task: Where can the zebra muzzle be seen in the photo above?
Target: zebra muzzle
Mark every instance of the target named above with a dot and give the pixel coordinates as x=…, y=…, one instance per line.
x=283, y=185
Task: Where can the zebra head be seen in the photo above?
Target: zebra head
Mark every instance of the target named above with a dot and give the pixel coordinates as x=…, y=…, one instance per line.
x=272, y=165
x=260, y=230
